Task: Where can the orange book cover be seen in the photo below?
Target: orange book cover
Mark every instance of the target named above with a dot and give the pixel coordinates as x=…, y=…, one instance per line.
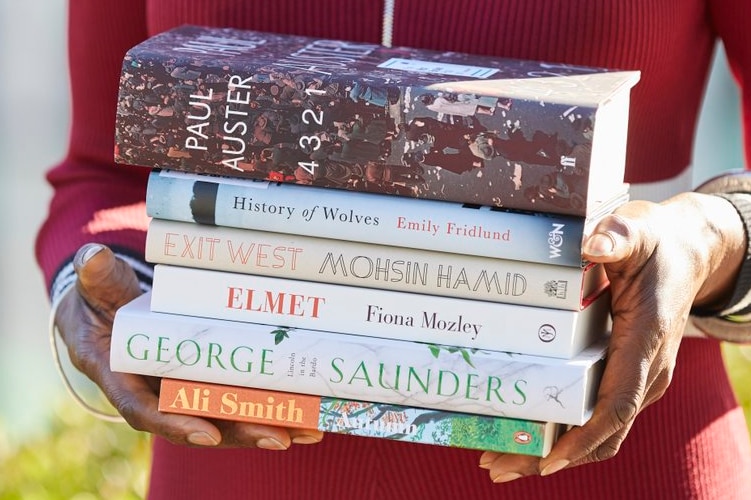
x=358, y=418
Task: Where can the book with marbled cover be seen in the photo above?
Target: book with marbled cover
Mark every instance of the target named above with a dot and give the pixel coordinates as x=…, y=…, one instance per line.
x=410, y=122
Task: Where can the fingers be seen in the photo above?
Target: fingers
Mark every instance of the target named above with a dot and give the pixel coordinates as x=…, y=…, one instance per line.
x=305, y=436
x=134, y=397
x=265, y=436
x=84, y=319
x=599, y=439
x=656, y=266
x=620, y=398
x=505, y=467
x=640, y=359
x=619, y=237
x=638, y=371
x=104, y=281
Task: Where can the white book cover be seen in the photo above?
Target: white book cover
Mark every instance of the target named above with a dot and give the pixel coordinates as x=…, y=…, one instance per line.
x=370, y=217
x=389, y=267
x=378, y=313
x=348, y=366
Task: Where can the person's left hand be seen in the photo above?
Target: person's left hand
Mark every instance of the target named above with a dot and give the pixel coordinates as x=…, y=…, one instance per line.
x=661, y=259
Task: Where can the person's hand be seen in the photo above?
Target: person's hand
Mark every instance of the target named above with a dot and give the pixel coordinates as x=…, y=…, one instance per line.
x=84, y=319
x=661, y=259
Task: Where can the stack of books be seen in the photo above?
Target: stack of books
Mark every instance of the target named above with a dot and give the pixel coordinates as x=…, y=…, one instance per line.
x=383, y=242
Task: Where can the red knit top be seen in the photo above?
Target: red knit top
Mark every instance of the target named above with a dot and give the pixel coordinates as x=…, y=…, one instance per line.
x=693, y=443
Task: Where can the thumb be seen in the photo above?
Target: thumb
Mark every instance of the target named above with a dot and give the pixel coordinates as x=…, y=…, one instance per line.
x=104, y=281
x=623, y=234
x=613, y=239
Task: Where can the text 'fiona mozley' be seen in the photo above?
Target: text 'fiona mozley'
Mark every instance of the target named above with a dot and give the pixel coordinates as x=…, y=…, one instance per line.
x=429, y=320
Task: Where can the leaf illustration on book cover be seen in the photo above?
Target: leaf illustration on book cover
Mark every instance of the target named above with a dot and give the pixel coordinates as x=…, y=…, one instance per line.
x=466, y=352
x=280, y=334
x=337, y=408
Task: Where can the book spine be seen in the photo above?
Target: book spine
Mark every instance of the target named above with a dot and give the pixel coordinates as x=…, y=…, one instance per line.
x=358, y=418
x=366, y=217
x=372, y=265
x=377, y=313
x=354, y=367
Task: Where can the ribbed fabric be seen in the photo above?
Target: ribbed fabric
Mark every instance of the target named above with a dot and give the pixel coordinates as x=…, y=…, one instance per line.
x=566, y=31
x=353, y=20
x=87, y=183
x=693, y=443
x=670, y=41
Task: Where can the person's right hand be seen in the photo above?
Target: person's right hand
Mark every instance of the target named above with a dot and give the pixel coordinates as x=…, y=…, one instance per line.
x=84, y=319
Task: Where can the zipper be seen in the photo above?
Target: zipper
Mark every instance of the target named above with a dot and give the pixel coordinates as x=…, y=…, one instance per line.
x=388, y=22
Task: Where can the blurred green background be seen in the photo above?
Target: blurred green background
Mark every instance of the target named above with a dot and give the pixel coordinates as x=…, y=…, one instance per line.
x=49, y=447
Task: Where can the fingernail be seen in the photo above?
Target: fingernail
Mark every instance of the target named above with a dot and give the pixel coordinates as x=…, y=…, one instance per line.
x=599, y=245
x=91, y=250
x=270, y=444
x=485, y=463
x=554, y=467
x=505, y=477
x=306, y=439
x=202, y=439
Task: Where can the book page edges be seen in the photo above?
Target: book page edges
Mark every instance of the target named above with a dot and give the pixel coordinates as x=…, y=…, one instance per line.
x=590, y=90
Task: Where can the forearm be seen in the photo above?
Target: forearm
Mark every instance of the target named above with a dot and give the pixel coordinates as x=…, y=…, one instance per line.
x=108, y=209
x=94, y=200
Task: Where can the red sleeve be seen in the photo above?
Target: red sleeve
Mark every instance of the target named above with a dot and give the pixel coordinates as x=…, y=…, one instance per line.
x=93, y=199
x=730, y=19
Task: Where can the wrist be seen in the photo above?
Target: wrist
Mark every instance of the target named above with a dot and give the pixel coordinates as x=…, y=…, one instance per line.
x=738, y=305
x=723, y=245
x=730, y=318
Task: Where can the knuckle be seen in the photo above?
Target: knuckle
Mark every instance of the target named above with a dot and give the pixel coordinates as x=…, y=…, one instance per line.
x=659, y=386
x=606, y=450
x=624, y=410
x=129, y=412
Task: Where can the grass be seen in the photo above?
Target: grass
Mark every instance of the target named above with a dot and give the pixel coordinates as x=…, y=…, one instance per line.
x=738, y=361
x=78, y=458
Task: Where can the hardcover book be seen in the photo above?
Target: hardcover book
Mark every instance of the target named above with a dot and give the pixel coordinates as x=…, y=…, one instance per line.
x=374, y=266
x=370, y=217
x=378, y=313
x=421, y=375
x=358, y=418
x=410, y=122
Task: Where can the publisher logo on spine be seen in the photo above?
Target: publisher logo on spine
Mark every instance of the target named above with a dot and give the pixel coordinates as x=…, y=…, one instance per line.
x=546, y=333
x=522, y=437
x=555, y=240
